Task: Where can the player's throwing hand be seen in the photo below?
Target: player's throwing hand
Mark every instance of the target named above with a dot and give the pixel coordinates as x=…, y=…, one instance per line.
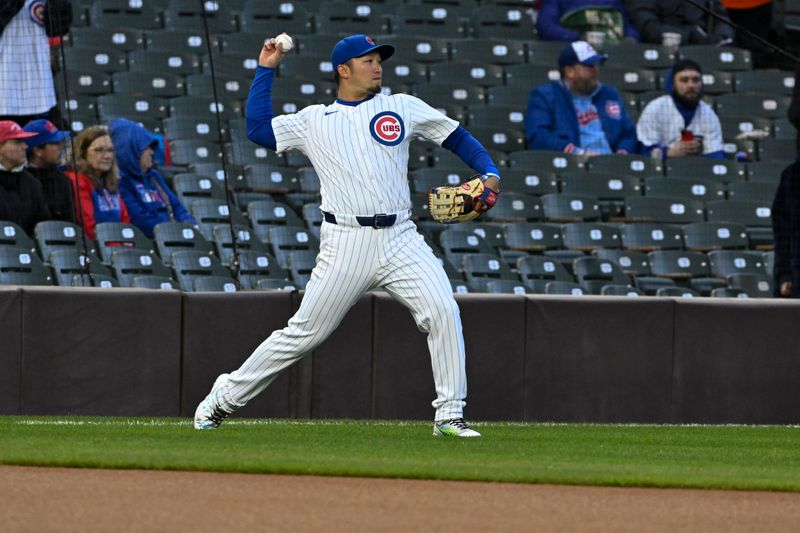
x=271, y=53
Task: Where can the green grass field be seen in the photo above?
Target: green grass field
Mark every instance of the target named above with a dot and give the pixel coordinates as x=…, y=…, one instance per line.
x=729, y=457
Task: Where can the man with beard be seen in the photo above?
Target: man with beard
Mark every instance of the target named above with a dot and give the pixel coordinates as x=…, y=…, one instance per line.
x=577, y=114
x=680, y=123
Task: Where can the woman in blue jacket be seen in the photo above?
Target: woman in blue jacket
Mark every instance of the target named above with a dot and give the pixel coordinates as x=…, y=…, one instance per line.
x=146, y=194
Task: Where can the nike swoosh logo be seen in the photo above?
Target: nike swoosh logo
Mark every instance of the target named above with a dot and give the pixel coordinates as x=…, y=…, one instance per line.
x=326, y=113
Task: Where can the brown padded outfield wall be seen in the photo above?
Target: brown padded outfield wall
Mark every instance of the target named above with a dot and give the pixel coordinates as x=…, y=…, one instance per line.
x=529, y=358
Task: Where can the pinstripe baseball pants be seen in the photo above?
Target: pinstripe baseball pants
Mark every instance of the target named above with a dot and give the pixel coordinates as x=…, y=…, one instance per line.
x=354, y=260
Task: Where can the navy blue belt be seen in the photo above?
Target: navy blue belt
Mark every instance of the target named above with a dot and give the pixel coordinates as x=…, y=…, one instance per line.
x=375, y=221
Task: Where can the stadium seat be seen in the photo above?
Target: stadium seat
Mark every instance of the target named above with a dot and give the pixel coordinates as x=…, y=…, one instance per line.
x=157, y=62
x=646, y=237
x=276, y=284
x=269, y=179
x=739, y=125
x=509, y=21
x=255, y=265
x=453, y=92
x=458, y=241
x=589, y=236
x=747, y=213
x=727, y=292
x=22, y=267
x=505, y=286
x=194, y=151
x=501, y=49
x=131, y=106
x=263, y=18
x=482, y=268
x=230, y=86
x=593, y=273
x=533, y=237
x=544, y=53
x=768, y=171
x=300, y=264
x=767, y=81
x=66, y=263
x=214, y=284
x=704, y=167
x=633, y=165
x=285, y=239
x=125, y=14
x=192, y=187
x=717, y=82
x=113, y=236
x=216, y=16
x=522, y=79
x=640, y=55
x=767, y=105
x=568, y=207
x=713, y=57
x=754, y=285
x=530, y=182
x=776, y=149
x=189, y=265
x=515, y=207
x=106, y=60
x=245, y=241
x=620, y=290
x=630, y=79
x=84, y=81
x=351, y=18
x=650, y=285
x=13, y=236
x=171, y=237
x=162, y=85
x=204, y=106
x=96, y=38
x=427, y=20
x=53, y=235
x=128, y=264
x=192, y=40
x=210, y=212
x=677, y=292
x=724, y=263
x=473, y=72
x=692, y=267
x=566, y=288
x=762, y=192
x=707, y=236
x=631, y=262
x=700, y=189
x=666, y=210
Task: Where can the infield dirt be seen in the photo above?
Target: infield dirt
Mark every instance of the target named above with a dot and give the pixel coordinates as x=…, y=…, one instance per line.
x=86, y=500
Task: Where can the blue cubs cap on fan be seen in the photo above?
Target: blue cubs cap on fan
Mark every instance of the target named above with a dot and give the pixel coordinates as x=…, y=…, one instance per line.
x=357, y=46
x=47, y=133
x=579, y=52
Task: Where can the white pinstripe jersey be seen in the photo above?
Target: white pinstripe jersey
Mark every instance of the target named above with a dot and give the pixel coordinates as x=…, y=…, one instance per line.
x=361, y=152
x=26, y=81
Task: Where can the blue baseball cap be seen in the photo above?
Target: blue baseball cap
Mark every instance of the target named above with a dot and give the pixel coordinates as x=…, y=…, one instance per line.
x=46, y=133
x=357, y=46
x=579, y=52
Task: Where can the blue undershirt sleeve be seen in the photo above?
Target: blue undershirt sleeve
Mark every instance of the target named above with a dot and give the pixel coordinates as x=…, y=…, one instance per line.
x=467, y=147
x=259, y=109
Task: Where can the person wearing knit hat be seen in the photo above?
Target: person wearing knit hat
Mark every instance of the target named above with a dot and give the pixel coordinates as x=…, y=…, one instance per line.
x=680, y=123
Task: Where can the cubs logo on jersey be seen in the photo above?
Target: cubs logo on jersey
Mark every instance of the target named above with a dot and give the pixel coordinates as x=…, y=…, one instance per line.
x=36, y=10
x=387, y=128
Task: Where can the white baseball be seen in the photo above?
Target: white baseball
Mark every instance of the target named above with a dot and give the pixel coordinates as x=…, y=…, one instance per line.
x=285, y=41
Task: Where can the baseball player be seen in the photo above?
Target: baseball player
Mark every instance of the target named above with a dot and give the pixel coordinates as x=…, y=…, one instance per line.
x=359, y=147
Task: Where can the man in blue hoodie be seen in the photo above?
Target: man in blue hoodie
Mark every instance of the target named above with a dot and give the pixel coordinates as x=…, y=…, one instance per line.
x=147, y=196
x=577, y=114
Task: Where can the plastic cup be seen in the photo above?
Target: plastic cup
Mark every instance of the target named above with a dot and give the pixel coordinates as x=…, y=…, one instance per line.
x=671, y=40
x=596, y=39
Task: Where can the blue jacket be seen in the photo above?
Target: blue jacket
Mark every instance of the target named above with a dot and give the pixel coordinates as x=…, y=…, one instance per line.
x=551, y=123
x=548, y=21
x=142, y=192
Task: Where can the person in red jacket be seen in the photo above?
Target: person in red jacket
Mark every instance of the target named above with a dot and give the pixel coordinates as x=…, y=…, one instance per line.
x=96, y=180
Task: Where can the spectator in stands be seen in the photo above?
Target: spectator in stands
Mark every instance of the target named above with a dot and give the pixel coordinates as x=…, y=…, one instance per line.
x=26, y=78
x=786, y=214
x=756, y=17
x=653, y=18
x=96, y=180
x=680, y=123
x=21, y=197
x=149, y=199
x=577, y=114
x=44, y=158
x=569, y=20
